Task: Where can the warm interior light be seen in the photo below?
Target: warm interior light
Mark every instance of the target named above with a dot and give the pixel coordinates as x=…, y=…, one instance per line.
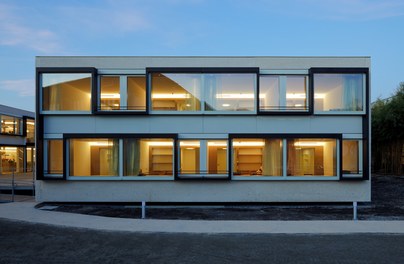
x=189, y=148
x=9, y=122
x=31, y=123
x=110, y=96
x=225, y=105
x=189, y=143
x=319, y=96
x=235, y=96
x=101, y=143
x=298, y=105
x=221, y=144
x=10, y=149
x=160, y=143
x=171, y=96
x=309, y=144
x=248, y=143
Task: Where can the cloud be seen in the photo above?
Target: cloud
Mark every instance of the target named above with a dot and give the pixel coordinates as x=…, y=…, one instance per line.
x=25, y=87
x=347, y=10
x=13, y=32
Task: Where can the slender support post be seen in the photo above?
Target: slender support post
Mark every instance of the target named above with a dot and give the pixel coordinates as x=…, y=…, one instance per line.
x=143, y=209
x=355, y=211
x=12, y=185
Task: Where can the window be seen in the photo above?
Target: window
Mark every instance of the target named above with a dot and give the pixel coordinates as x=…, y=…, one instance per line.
x=312, y=157
x=339, y=93
x=257, y=157
x=148, y=157
x=203, y=159
x=30, y=129
x=94, y=157
x=351, y=157
x=10, y=125
x=203, y=92
x=283, y=93
x=53, y=161
x=12, y=159
x=66, y=91
x=122, y=93
x=30, y=159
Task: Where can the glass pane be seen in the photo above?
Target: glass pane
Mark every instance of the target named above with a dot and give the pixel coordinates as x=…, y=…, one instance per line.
x=257, y=157
x=338, y=92
x=12, y=159
x=217, y=157
x=110, y=93
x=312, y=157
x=350, y=157
x=30, y=159
x=136, y=93
x=66, y=91
x=144, y=157
x=229, y=92
x=10, y=125
x=55, y=157
x=269, y=93
x=176, y=92
x=190, y=156
x=296, y=93
x=30, y=130
x=94, y=157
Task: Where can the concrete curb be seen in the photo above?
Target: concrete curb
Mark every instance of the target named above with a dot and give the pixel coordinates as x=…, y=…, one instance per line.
x=25, y=211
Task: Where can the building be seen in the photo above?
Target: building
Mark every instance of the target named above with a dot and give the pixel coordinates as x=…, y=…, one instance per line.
x=203, y=129
x=17, y=147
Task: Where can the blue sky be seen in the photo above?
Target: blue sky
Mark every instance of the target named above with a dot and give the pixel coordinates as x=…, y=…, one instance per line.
x=30, y=28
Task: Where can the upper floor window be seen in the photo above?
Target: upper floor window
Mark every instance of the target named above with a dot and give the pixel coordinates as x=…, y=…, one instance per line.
x=10, y=125
x=203, y=92
x=122, y=93
x=339, y=92
x=66, y=91
x=283, y=93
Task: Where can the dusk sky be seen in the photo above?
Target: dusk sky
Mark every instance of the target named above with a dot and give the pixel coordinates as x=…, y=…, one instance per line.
x=30, y=28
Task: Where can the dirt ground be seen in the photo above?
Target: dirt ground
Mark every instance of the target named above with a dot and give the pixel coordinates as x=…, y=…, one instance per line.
x=387, y=204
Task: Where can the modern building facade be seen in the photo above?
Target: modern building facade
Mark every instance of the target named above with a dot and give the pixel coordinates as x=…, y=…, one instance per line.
x=203, y=129
x=17, y=144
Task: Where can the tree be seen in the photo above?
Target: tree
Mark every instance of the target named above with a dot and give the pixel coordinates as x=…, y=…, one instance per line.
x=388, y=133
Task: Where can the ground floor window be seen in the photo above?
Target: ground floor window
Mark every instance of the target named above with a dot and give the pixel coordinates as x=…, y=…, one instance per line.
x=53, y=158
x=203, y=158
x=16, y=159
x=351, y=157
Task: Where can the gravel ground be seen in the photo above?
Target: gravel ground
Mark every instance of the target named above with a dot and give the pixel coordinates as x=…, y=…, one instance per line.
x=387, y=204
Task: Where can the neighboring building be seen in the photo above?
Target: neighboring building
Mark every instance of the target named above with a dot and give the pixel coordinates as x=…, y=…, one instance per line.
x=203, y=129
x=17, y=146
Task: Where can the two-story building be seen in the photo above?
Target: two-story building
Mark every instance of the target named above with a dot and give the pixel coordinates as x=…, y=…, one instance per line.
x=203, y=129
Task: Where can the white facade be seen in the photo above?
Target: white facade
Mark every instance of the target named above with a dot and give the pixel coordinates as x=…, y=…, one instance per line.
x=315, y=129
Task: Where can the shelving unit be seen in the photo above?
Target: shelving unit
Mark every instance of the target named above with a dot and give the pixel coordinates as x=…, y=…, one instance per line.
x=161, y=160
x=248, y=160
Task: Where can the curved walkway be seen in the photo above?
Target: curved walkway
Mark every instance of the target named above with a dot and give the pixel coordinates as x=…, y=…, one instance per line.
x=25, y=211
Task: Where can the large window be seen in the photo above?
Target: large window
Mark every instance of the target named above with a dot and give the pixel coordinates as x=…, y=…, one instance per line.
x=351, y=157
x=148, y=157
x=203, y=159
x=207, y=92
x=312, y=157
x=339, y=93
x=12, y=159
x=257, y=157
x=53, y=159
x=66, y=91
x=94, y=157
x=11, y=125
x=283, y=93
x=30, y=129
x=122, y=93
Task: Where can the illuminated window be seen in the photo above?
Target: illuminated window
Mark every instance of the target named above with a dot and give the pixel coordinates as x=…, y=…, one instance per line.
x=283, y=93
x=197, y=92
x=11, y=125
x=54, y=153
x=30, y=130
x=257, y=157
x=148, y=157
x=12, y=159
x=203, y=159
x=110, y=98
x=94, y=157
x=66, y=91
x=339, y=92
x=351, y=157
x=312, y=157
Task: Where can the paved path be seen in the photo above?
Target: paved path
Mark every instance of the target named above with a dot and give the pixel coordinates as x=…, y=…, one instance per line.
x=25, y=211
